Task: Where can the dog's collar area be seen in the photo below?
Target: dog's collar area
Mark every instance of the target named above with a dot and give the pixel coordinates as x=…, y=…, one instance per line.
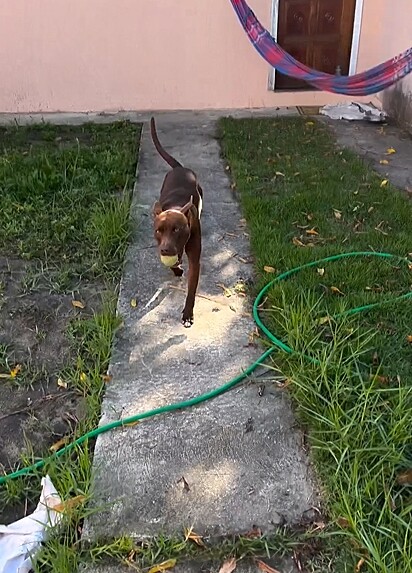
x=172, y=211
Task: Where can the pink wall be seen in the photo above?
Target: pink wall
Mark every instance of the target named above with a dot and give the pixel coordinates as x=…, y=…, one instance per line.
x=397, y=37
x=101, y=55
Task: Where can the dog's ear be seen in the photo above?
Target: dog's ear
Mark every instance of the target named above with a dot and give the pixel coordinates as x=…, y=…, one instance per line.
x=157, y=209
x=189, y=210
x=187, y=207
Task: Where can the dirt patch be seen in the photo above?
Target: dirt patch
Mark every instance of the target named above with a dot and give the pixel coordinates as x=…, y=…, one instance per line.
x=35, y=411
x=64, y=230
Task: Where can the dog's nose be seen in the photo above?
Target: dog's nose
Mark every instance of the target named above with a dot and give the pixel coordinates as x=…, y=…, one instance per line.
x=167, y=252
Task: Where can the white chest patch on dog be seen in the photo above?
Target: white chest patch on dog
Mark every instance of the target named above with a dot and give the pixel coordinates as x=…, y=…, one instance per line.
x=200, y=206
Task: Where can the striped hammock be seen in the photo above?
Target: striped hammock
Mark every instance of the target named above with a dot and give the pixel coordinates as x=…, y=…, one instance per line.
x=365, y=83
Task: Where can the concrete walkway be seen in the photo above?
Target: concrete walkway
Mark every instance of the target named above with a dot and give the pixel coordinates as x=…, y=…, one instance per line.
x=228, y=464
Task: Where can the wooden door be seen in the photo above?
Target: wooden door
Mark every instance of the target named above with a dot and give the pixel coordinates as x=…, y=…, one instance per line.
x=318, y=33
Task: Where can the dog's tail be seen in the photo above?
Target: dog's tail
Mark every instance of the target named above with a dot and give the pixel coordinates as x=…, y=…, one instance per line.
x=168, y=158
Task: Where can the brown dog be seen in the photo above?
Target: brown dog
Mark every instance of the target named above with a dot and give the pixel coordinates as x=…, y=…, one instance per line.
x=177, y=222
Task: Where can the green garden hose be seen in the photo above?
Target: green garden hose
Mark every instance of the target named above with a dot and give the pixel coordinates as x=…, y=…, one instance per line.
x=277, y=344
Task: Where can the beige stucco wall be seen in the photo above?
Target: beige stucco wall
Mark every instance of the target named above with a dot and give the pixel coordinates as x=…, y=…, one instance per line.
x=100, y=55
x=397, y=37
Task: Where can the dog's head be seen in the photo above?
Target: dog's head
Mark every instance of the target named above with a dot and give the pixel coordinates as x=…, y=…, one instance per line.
x=172, y=228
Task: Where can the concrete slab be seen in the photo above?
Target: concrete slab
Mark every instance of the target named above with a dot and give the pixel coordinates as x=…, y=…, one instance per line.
x=230, y=463
x=73, y=118
x=371, y=141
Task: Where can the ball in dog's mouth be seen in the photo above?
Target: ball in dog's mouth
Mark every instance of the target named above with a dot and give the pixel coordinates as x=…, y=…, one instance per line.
x=169, y=261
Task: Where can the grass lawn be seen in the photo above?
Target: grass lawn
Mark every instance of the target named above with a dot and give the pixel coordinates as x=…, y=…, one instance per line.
x=64, y=231
x=305, y=199
x=65, y=207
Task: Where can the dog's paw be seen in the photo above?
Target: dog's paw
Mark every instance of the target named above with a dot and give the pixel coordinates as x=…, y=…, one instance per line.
x=187, y=320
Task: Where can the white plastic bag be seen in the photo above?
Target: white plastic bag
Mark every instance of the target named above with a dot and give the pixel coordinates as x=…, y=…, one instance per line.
x=354, y=112
x=20, y=541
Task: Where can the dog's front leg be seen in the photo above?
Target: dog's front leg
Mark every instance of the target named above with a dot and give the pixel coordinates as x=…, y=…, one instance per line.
x=193, y=250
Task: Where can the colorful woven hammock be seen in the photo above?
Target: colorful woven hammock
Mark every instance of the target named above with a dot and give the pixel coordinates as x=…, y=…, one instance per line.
x=369, y=82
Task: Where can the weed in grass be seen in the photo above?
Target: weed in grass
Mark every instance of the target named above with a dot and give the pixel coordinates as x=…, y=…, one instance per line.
x=109, y=232
x=58, y=555
x=357, y=401
x=4, y=356
x=14, y=492
x=92, y=339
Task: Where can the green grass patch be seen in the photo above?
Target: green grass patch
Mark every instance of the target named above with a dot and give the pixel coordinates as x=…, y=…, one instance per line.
x=305, y=199
x=65, y=193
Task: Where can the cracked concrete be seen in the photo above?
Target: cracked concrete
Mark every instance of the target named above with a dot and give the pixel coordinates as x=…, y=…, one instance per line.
x=228, y=464
x=371, y=142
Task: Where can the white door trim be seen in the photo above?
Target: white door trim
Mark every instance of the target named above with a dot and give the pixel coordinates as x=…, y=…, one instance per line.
x=357, y=29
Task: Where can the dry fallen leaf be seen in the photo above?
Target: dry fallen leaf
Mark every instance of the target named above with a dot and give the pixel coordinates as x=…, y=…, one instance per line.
x=14, y=371
x=312, y=232
x=343, y=522
x=131, y=556
x=69, y=504
x=226, y=291
x=359, y=565
x=61, y=383
x=310, y=123
x=56, y=447
x=380, y=379
x=405, y=478
x=390, y=151
x=318, y=526
x=384, y=182
x=107, y=378
x=169, y=564
x=409, y=338
x=269, y=269
x=335, y=290
x=264, y=567
x=297, y=243
x=190, y=534
x=338, y=214
x=133, y=303
x=228, y=566
x=280, y=173
x=186, y=486
x=384, y=162
x=321, y=272
x=253, y=533
x=323, y=320
x=78, y=304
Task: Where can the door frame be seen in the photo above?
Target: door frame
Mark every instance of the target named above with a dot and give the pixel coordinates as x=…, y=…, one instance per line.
x=354, y=53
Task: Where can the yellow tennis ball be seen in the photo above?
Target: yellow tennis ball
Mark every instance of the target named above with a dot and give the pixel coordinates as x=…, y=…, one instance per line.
x=169, y=261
